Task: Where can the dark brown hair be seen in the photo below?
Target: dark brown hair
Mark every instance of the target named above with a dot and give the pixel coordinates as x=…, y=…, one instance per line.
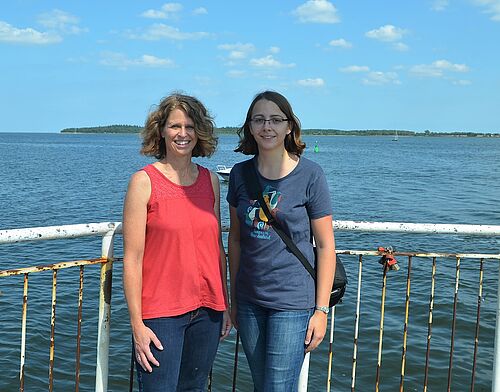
x=153, y=144
x=247, y=144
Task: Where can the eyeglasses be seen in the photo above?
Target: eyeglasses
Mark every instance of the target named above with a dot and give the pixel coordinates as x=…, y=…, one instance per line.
x=274, y=121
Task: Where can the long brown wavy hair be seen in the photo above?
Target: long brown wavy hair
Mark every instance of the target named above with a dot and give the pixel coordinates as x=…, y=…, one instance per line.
x=153, y=144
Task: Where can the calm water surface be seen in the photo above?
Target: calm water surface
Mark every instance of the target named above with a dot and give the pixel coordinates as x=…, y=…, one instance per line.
x=54, y=179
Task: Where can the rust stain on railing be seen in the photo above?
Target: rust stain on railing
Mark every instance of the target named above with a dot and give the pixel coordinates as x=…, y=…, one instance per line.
x=454, y=322
x=23, y=332
x=52, y=330
x=106, y=282
x=405, y=327
x=54, y=268
x=476, y=336
x=381, y=328
x=356, y=325
x=79, y=330
x=429, y=327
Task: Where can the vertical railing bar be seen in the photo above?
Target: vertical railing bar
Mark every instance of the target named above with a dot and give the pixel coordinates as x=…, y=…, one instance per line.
x=476, y=337
x=102, y=369
x=132, y=364
x=495, y=384
x=235, y=367
x=381, y=331
x=52, y=330
x=79, y=330
x=356, y=325
x=453, y=322
x=23, y=333
x=304, y=373
x=210, y=376
x=405, y=327
x=330, y=350
x=429, y=328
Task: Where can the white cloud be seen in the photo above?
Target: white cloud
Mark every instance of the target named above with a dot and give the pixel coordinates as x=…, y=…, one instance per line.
x=439, y=5
x=14, y=35
x=462, y=82
x=154, y=14
x=387, y=33
x=200, y=11
x=237, y=55
x=274, y=49
x=236, y=73
x=491, y=7
x=377, y=78
x=316, y=82
x=167, y=11
x=237, y=46
x=269, y=62
x=316, y=11
x=121, y=61
x=341, y=43
x=161, y=31
x=437, y=69
x=355, y=68
x=237, y=51
x=171, y=7
x=400, y=46
x=61, y=21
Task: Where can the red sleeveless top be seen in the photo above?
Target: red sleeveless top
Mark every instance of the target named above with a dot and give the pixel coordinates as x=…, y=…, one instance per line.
x=181, y=264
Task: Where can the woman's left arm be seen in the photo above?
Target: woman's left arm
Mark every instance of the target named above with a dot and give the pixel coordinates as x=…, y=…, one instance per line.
x=226, y=324
x=325, y=271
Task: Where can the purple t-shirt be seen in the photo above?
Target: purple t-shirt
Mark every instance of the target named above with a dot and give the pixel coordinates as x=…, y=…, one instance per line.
x=269, y=274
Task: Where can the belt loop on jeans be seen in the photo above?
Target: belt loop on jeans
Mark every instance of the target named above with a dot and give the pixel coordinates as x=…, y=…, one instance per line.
x=194, y=314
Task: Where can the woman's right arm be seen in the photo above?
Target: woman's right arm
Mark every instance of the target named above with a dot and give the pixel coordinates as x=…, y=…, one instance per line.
x=134, y=234
x=234, y=258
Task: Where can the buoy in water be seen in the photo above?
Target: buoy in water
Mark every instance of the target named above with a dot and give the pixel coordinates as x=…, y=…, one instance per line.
x=316, y=147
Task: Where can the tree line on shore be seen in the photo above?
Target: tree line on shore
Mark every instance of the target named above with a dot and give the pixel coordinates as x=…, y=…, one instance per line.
x=118, y=128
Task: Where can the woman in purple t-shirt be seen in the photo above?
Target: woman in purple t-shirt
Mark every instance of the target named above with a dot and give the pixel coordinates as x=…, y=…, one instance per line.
x=279, y=311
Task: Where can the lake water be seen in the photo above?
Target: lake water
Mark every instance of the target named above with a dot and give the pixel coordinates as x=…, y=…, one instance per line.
x=56, y=179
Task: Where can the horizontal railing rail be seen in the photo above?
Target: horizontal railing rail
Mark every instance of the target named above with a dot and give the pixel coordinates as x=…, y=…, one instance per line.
x=108, y=230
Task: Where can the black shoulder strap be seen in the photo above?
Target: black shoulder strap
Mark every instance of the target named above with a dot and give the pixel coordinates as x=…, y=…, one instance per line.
x=254, y=188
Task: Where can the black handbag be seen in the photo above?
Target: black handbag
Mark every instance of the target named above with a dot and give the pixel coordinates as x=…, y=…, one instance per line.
x=254, y=188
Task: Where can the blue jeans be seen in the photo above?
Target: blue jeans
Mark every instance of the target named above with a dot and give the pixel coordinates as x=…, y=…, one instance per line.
x=190, y=342
x=273, y=342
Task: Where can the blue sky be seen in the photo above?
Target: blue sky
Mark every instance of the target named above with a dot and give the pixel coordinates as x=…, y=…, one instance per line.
x=413, y=64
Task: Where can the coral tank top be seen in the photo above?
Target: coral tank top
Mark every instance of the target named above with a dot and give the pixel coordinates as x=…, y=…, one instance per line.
x=181, y=264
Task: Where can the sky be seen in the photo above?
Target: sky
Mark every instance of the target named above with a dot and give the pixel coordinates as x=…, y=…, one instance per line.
x=348, y=64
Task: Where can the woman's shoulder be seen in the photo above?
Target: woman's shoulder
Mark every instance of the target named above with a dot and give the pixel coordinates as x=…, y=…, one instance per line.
x=240, y=166
x=140, y=180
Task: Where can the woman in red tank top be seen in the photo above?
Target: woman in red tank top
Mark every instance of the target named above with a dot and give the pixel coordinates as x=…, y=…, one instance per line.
x=174, y=272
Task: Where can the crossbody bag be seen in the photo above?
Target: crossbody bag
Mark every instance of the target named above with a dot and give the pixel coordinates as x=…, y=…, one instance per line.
x=254, y=188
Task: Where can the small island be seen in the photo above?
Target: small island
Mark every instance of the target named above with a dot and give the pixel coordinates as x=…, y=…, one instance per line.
x=305, y=132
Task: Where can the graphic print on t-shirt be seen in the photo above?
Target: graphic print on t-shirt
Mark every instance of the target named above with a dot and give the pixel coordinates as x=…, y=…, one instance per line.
x=256, y=217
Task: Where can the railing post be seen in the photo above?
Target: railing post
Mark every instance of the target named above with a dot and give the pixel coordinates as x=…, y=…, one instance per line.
x=304, y=374
x=101, y=379
x=496, y=351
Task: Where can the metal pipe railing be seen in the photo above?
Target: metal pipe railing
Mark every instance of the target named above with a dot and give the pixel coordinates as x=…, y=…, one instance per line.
x=108, y=230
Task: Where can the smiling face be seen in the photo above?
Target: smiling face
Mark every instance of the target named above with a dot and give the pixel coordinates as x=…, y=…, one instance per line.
x=269, y=125
x=179, y=133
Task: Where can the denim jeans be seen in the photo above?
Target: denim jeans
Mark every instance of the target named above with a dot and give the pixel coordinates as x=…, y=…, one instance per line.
x=190, y=342
x=273, y=342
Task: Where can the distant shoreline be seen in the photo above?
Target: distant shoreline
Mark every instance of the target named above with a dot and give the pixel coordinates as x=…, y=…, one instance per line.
x=135, y=129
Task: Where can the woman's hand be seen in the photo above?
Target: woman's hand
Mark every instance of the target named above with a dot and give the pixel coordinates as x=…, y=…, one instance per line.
x=316, y=330
x=226, y=325
x=143, y=337
x=234, y=312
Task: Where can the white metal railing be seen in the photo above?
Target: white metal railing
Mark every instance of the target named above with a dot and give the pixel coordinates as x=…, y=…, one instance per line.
x=108, y=230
